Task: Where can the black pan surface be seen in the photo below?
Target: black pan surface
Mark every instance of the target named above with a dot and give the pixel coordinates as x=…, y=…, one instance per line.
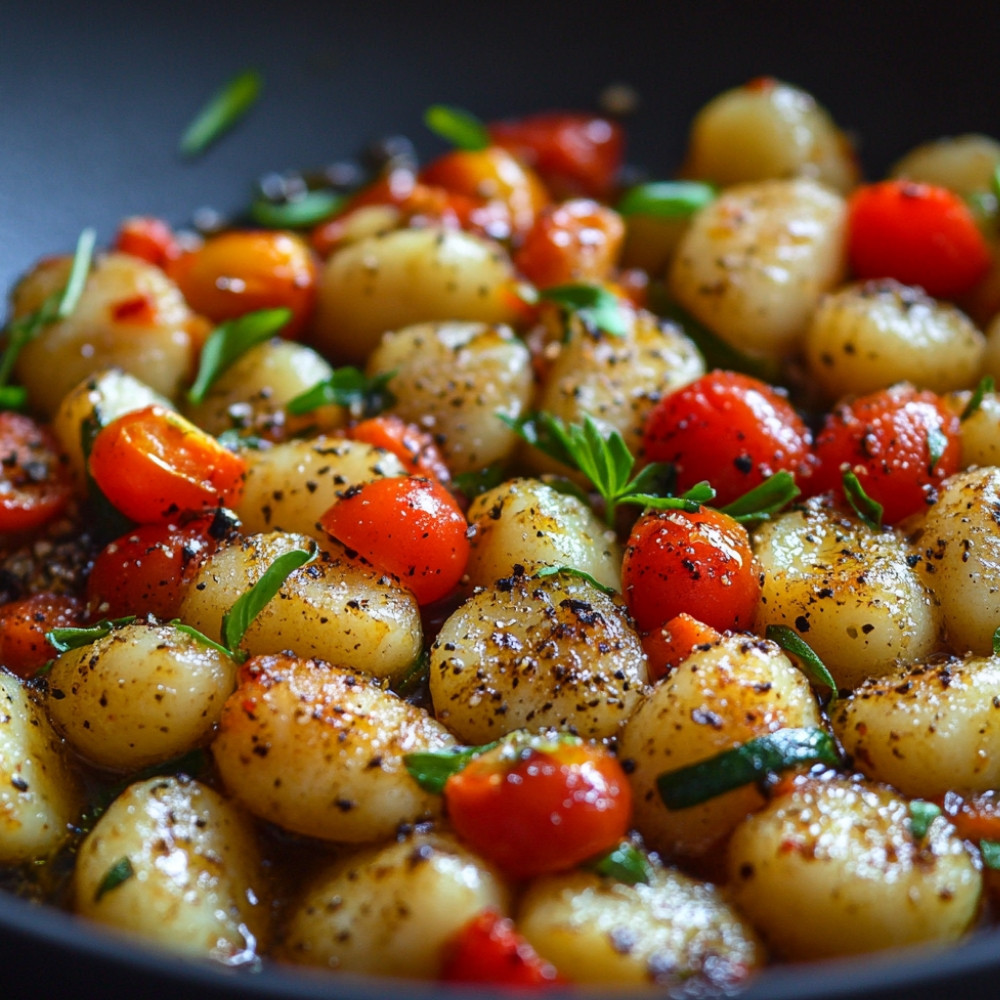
x=93, y=99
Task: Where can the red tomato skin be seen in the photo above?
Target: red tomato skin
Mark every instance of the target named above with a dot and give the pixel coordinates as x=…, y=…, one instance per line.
x=412, y=445
x=23, y=624
x=35, y=482
x=576, y=240
x=145, y=572
x=488, y=949
x=730, y=429
x=696, y=562
x=547, y=812
x=148, y=238
x=883, y=438
x=919, y=234
x=152, y=464
x=575, y=154
x=409, y=526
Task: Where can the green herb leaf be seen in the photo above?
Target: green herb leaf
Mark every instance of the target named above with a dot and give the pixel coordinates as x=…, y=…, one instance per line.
x=990, y=850
x=547, y=571
x=996, y=642
x=431, y=769
x=869, y=510
x=224, y=109
x=303, y=212
x=667, y=199
x=55, y=307
x=764, y=500
x=238, y=618
x=63, y=639
x=229, y=341
x=986, y=384
x=202, y=638
x=13, y=397
x=597, y=308
x=461, y=128
x=624, y=863
x=812, y=666
x=121, y=871
x=350, y=387
x=922, y=814
x=415, y=676
x=754, y=761
x=937, y=441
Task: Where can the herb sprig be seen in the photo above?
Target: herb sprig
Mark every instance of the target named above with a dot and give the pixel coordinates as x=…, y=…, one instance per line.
x=459, y=127
x=223, y=110
x=350, y=387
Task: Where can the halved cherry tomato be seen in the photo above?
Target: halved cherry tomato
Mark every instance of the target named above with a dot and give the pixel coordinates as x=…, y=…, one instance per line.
x=540, y=806
x=491, y=174
x=730, y=429
x=409, y=526
x=413, y=446
x=575, y=154
x=147, y=237
x=669, y=645
x=976, y=816
x=152, y=464
x=576, y=240
x=145, y=571
x=489, y=949
x=919, y=234
x=899, y=442
x=35, y=481
x=237, y=272
x=699, y=562
x=23, y=624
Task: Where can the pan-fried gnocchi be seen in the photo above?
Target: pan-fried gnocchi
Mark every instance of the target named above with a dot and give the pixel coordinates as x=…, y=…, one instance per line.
x=647, y=732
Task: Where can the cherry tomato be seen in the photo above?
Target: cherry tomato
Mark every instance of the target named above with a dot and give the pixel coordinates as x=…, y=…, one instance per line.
x=491, y=174
x=146, y=571
x=575, y=154
x=699, y=562
x=35, y=481
x=919, y=234
x=730, y=429
x=669, y=645
x=409, y=526
x=488, y=949
x=153, y=464
x=576, y=240
x=413, y=446
x=23, y=624
x=541, y=806
x=899, y=442
x=149, y=238
x=238, y=272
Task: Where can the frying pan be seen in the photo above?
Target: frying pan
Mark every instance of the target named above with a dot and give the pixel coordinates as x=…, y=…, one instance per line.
x=94, y=97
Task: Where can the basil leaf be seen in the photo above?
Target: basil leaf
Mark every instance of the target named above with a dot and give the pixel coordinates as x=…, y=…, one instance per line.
x=64, y=639
x=597, y=308
x=303, y=212
x=990, y=850
x=769, y=497
x=986, y=384
x=350, y=387
x=461, y=128
x=239, y=617
x=415, y=676
x=472, y=484
x=937, y=441
x=922, y=814
x=753, y=761
x=13, y=397
x=229, y=341
x=624, y=863
x=203, y=639
x=996, y=642
x=869, y=510
x=221, y=112
x=121, y=871
x=55, y=307
x=431, y=769
x=812, y=666
x=547, y=571
x=667, y=199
